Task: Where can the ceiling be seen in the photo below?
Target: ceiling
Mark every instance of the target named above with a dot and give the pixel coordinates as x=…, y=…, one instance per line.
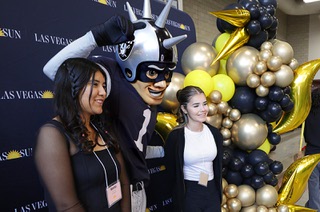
x=298, y=7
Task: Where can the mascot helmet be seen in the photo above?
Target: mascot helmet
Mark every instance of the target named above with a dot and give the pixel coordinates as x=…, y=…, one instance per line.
x=152, y=43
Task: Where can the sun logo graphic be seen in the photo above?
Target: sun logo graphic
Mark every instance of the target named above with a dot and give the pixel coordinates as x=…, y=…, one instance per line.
x=102, y=2
x=47, y=95
x=13, y=155
x=163, y=167
x=1, y=33
x=182, y=26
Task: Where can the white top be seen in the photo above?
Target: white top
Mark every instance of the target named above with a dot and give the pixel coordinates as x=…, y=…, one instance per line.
x=199, y=152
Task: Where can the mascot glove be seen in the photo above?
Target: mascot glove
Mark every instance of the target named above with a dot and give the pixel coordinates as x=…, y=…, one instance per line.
x=115, y=30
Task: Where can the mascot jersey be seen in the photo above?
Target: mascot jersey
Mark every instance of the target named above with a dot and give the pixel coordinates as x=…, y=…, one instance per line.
x=133, y=120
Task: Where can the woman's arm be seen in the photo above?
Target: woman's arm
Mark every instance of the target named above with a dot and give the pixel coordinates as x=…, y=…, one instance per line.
x=125, y=185
x=52, y=160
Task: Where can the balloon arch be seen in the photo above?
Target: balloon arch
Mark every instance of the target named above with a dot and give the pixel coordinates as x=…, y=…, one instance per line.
x=256, y=91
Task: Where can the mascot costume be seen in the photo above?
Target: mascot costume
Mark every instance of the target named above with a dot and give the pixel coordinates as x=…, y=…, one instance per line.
x=145, y=59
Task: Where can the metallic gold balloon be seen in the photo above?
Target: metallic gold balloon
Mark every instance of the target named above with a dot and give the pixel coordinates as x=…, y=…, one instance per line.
x=260, y=68
x=264, y=55
x=274, y=63
x=165, y=123
x=268, y=79
x=301, y=95
x=266, y=45
x=253, y=80
x=224, y=183
x=237, y=17
x=170, y=102
x=215, y=120
x=213, y=109
x=227, y=142
x=284, y=50
x=223, y=107
x=262, y=208
x=226, y=134
x=283, y=208
x=224, y=199
x=249, y=126
x=297, y=208
x=234, y=204
x=199, y=56
x=295, y=179
x=284, y=76
x=237, y=39
x=215, y=96
x=231, y=190
x=262, y=91
x=247, y=195
x=267, y=196
x=234, y=114
x=252, y=208
x=227, y=123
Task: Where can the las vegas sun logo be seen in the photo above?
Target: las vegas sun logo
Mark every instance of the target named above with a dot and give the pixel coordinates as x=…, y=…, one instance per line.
x=47, y=95
x=13, y=155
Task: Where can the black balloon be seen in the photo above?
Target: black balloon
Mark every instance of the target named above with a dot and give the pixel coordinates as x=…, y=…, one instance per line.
x=271, y=10
x=274, y=109
x=235, y=164
x=241, y=154
x=275, y=93
x=274, y=138
x=247, y=170
x=233, y=177
x=256, y=40
x=270, y=128
x=269, y=2
x=268, y=177
x=287, y=90
x=253, y=27
x=261, y=103
x=265, y=20
x=226, y=158
x=274, y=181
x=276, y=167
x=254, y=11
x=285, y=101
x=257, y=181
x=247, y=3
x=243, y=99
x=261, y=168
x=289, y=107
x=256, y=156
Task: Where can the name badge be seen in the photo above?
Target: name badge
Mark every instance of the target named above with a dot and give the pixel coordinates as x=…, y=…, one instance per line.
x=203, y=180
x=113, y=193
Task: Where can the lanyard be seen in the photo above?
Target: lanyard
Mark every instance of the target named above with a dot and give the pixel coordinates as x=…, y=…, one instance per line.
x=104, y=168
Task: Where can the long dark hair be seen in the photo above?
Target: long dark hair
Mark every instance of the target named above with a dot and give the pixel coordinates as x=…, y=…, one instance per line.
x=184, y=95
x=71, y=78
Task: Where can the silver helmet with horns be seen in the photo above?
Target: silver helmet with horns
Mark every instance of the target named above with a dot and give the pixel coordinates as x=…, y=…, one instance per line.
x=152, y=43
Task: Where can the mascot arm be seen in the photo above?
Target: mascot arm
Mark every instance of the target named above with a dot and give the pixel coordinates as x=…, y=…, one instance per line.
x=82, y=47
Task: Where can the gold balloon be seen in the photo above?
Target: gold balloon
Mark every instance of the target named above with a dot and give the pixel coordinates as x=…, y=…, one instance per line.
x=247, y=195
x=237, y=17
x=231, y=190
x=215, y=120
x=213, y=109
x=234, y=114
x=237, y=39
x=215, y=96
x=227, y=123
x=165, y=123
x=267, y=196
x=234, y=204
x=268, y=79
x=297, y=208
x=226, y=134
x=301, y=95
x=170, y=102
x=262, y=91
x=296, y=178
x=253, y=80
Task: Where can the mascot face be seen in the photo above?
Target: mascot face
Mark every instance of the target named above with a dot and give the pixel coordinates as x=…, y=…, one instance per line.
x=148, y=61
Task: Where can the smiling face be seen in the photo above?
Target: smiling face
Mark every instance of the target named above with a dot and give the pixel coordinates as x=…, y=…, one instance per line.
x=153, y=80
x=196, y=109
x=93, y=95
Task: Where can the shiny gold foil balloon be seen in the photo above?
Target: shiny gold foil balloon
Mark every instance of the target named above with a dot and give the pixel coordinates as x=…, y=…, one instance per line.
x=170, y=102
x=199, y=56
x=295, y=179
x=247, y=195
x=301, y=95
x=267, y=196
x=242, y=63
x=297, y=208
x=237, y=39
x=165, y=123
x=237, y=17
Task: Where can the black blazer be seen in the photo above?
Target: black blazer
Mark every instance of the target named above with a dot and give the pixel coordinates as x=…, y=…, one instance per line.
x=174, y=149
